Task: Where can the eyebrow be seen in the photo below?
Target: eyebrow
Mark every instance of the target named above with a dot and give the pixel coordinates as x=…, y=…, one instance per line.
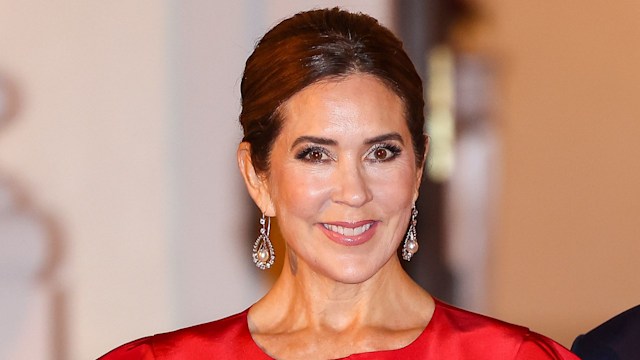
x=325, y=141
x=315, y=140
x=385, y=137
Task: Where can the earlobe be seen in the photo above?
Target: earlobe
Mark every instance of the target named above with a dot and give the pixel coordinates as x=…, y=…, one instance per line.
x=256, y=184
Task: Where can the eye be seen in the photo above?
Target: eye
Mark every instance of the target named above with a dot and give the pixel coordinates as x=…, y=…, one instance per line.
x=313, y=154
x=383, y=152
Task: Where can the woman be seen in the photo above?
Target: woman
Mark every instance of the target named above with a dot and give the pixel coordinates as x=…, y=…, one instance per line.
x=334, y=148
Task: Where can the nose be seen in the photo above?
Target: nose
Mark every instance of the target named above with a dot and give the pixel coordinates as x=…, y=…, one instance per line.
x=351, y=185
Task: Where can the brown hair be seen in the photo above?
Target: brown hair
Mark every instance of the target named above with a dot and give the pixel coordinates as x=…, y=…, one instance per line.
x=317, y=45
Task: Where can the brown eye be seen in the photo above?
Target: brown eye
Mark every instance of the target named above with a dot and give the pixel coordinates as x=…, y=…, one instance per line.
x=381, y=154
x=315, y=155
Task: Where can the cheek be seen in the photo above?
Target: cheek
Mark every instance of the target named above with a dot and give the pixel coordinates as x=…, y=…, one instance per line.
x=394, y=186
x=300, y=191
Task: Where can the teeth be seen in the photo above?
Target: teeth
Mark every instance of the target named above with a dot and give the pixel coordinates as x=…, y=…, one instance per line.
x=347, y=231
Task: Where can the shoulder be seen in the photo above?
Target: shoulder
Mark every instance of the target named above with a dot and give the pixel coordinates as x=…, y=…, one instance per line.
x=479, y=335
x=138, y=349
x=200, y=341
x=535, y=346
x=469, y=324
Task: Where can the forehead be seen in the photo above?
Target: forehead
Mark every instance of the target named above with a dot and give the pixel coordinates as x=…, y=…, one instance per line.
x=358, y=103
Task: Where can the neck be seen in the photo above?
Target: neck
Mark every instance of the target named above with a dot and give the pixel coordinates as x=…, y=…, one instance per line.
x=303, y=298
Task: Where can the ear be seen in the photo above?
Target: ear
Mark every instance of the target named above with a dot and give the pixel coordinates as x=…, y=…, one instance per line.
x=256, y=185
x=420, y=171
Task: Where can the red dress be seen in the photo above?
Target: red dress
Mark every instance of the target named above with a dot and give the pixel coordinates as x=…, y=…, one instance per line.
x=452, y=333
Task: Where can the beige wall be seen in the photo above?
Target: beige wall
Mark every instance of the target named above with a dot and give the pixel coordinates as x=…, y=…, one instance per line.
x=568, y=231
x=88, y=147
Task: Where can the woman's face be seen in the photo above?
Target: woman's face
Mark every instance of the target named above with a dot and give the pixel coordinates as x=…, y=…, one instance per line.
x=343, y=176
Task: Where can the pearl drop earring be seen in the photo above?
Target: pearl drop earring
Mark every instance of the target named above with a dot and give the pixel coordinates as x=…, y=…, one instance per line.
x=263, y=254
x=410, y=245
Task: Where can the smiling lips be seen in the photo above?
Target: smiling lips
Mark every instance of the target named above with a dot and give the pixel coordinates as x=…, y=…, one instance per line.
x=349, y=234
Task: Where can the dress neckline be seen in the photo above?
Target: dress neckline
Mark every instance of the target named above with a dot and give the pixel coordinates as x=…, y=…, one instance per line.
x=424, y=334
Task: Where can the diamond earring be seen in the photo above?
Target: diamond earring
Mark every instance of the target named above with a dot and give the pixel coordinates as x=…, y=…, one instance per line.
x=263, y=254
x=410, y=245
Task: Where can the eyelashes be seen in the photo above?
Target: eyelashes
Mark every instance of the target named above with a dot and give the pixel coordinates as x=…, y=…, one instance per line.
x=314, y=154
x=380, y=152
x=383, y=152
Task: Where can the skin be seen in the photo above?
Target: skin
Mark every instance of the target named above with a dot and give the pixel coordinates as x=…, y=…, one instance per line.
x=344, y=158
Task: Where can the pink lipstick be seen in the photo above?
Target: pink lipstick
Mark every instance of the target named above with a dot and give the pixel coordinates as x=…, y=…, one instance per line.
x=349, y=234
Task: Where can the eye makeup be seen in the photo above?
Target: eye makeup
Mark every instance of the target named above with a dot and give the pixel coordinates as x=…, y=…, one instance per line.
x=383, y=152
x=314, y=153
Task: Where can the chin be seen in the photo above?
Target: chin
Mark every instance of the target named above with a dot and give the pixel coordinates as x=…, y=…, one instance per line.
x=352, y=279
x=354, y=273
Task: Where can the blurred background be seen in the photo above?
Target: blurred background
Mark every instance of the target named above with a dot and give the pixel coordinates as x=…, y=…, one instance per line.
x=122, y=213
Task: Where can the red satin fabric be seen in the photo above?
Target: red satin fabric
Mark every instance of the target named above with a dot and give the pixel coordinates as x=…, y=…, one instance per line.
x=452, y=333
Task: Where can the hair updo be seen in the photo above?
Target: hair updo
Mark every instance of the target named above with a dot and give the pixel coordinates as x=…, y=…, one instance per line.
x=318, y=45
